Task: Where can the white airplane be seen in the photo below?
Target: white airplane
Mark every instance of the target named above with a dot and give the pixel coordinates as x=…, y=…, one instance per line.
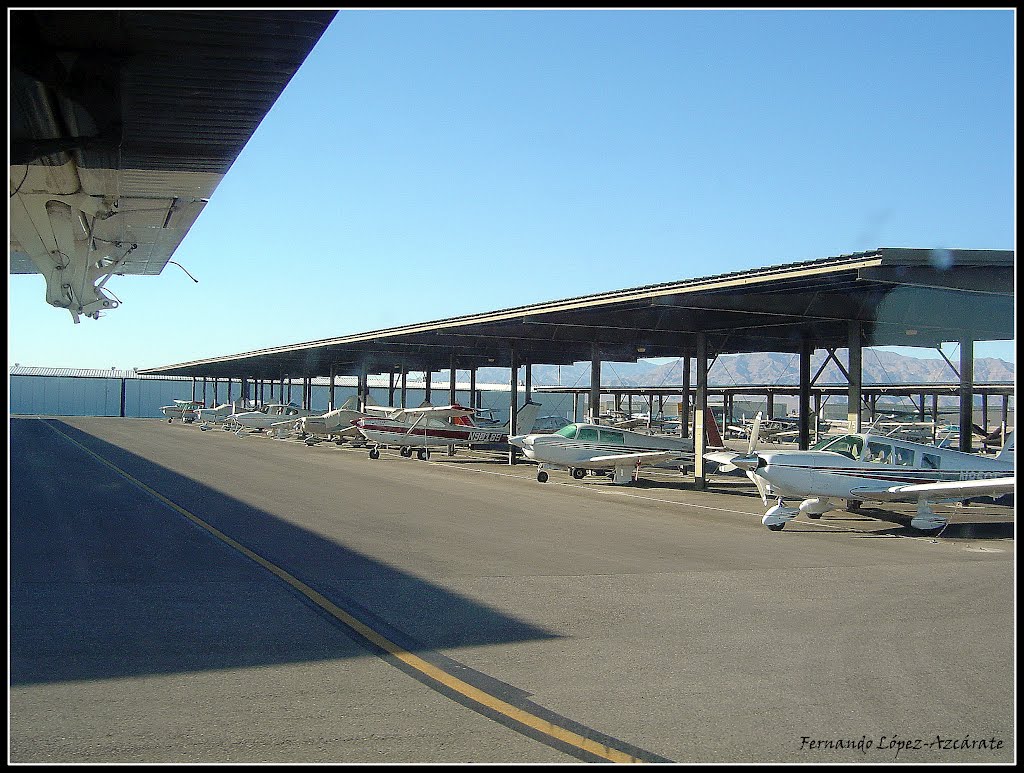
x=580, y=447
x=182, y=409
x=429, y=427
x=860, y=467
x=275, y=416
x=337, y=425
x=220, y=413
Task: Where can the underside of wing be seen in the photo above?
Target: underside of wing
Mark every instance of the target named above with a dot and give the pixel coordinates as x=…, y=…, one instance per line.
x=940, y=490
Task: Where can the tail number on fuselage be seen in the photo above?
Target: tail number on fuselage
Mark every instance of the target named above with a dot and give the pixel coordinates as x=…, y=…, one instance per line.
x=981, y=474
x=484, y=437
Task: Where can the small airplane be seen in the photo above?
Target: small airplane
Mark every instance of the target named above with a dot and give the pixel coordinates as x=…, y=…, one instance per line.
x=580, y=447
x=860, y=467
x=182, y=409
x=429, y=427
x=218, y=414
x=337, y=425
x=276, y=416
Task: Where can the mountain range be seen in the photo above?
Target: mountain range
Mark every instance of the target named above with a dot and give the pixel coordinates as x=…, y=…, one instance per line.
x=764, y=368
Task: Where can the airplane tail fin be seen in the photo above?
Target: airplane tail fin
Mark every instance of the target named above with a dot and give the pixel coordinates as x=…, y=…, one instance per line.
x=1006, y=455
x=711, y=430
x=526, y=417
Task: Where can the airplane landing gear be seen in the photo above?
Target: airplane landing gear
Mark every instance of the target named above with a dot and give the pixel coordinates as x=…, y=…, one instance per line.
x=423, y=454
x=542, y=477
x=579, y=473
x=374, y=453
x=406, y=452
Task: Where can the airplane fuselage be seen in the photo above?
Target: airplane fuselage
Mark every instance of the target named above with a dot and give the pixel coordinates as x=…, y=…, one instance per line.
x=828, y=474
x=577, y=445
x=388, y=432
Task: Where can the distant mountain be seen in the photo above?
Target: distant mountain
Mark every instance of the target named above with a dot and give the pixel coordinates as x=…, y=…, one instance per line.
x=879, y=367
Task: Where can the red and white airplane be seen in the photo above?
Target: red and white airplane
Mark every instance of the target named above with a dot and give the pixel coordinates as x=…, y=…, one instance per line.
x=859, y=467
x=429, y=427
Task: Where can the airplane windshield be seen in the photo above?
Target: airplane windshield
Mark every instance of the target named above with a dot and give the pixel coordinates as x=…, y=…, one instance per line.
x=847, y=445
x=568, y=431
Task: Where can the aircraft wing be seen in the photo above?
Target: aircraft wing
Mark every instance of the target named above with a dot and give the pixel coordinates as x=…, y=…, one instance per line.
x=440, y=412
x=641, y=457
x=723, y=459
x=954, y=489
x=122, y=124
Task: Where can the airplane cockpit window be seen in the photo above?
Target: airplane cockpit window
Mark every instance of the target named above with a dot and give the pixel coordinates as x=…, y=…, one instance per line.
x=615, y=438
x=904, y=457
x=587, y=433
x=848, y=445
x=568, y=431
x=879, y=453
x=930, y=461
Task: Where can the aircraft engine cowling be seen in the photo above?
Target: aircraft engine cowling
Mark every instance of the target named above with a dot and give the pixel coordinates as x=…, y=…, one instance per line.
x=816, y=506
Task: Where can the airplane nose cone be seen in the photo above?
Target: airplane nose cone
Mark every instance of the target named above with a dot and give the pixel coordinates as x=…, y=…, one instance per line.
x=749, y=462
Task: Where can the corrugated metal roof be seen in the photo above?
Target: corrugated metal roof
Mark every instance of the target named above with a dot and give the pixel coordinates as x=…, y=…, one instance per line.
x=936, y=295
x=24, y=370
x=376, y=382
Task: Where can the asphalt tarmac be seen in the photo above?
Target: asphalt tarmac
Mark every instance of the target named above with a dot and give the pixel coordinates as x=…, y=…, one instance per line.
x=179, y=596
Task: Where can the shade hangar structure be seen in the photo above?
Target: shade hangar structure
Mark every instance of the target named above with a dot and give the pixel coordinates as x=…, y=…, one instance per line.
x=882, y=297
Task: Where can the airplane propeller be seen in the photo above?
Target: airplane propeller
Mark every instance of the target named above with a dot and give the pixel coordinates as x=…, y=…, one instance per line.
x=750, y=461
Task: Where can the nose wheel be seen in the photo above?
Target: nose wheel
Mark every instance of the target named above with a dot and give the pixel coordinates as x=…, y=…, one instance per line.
x=375, y=453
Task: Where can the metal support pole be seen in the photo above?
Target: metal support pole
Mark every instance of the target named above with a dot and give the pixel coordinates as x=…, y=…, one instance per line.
x=595, y=385
x=330, y=391
x=966, y=394
x=855, y=369
x=804, y=418
x=514, y=400
x=684, y=411
x=451, y=382
x=700, y=403
x=405, y=385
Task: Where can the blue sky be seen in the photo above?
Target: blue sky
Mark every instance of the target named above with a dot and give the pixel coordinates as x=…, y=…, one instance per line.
x=426, y=164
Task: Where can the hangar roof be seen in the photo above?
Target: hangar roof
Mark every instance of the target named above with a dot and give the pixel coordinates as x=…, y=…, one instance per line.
x=901, y=297
x=147, y=108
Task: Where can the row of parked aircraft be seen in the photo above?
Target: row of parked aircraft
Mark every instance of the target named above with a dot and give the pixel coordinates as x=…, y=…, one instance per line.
x=841, y=470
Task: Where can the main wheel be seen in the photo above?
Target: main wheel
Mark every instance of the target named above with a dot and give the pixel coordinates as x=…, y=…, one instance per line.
x=405, y=451
x=423, y=454
x=776, y=527
x=542, y=477
x=374, y=453
x=579, y=473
